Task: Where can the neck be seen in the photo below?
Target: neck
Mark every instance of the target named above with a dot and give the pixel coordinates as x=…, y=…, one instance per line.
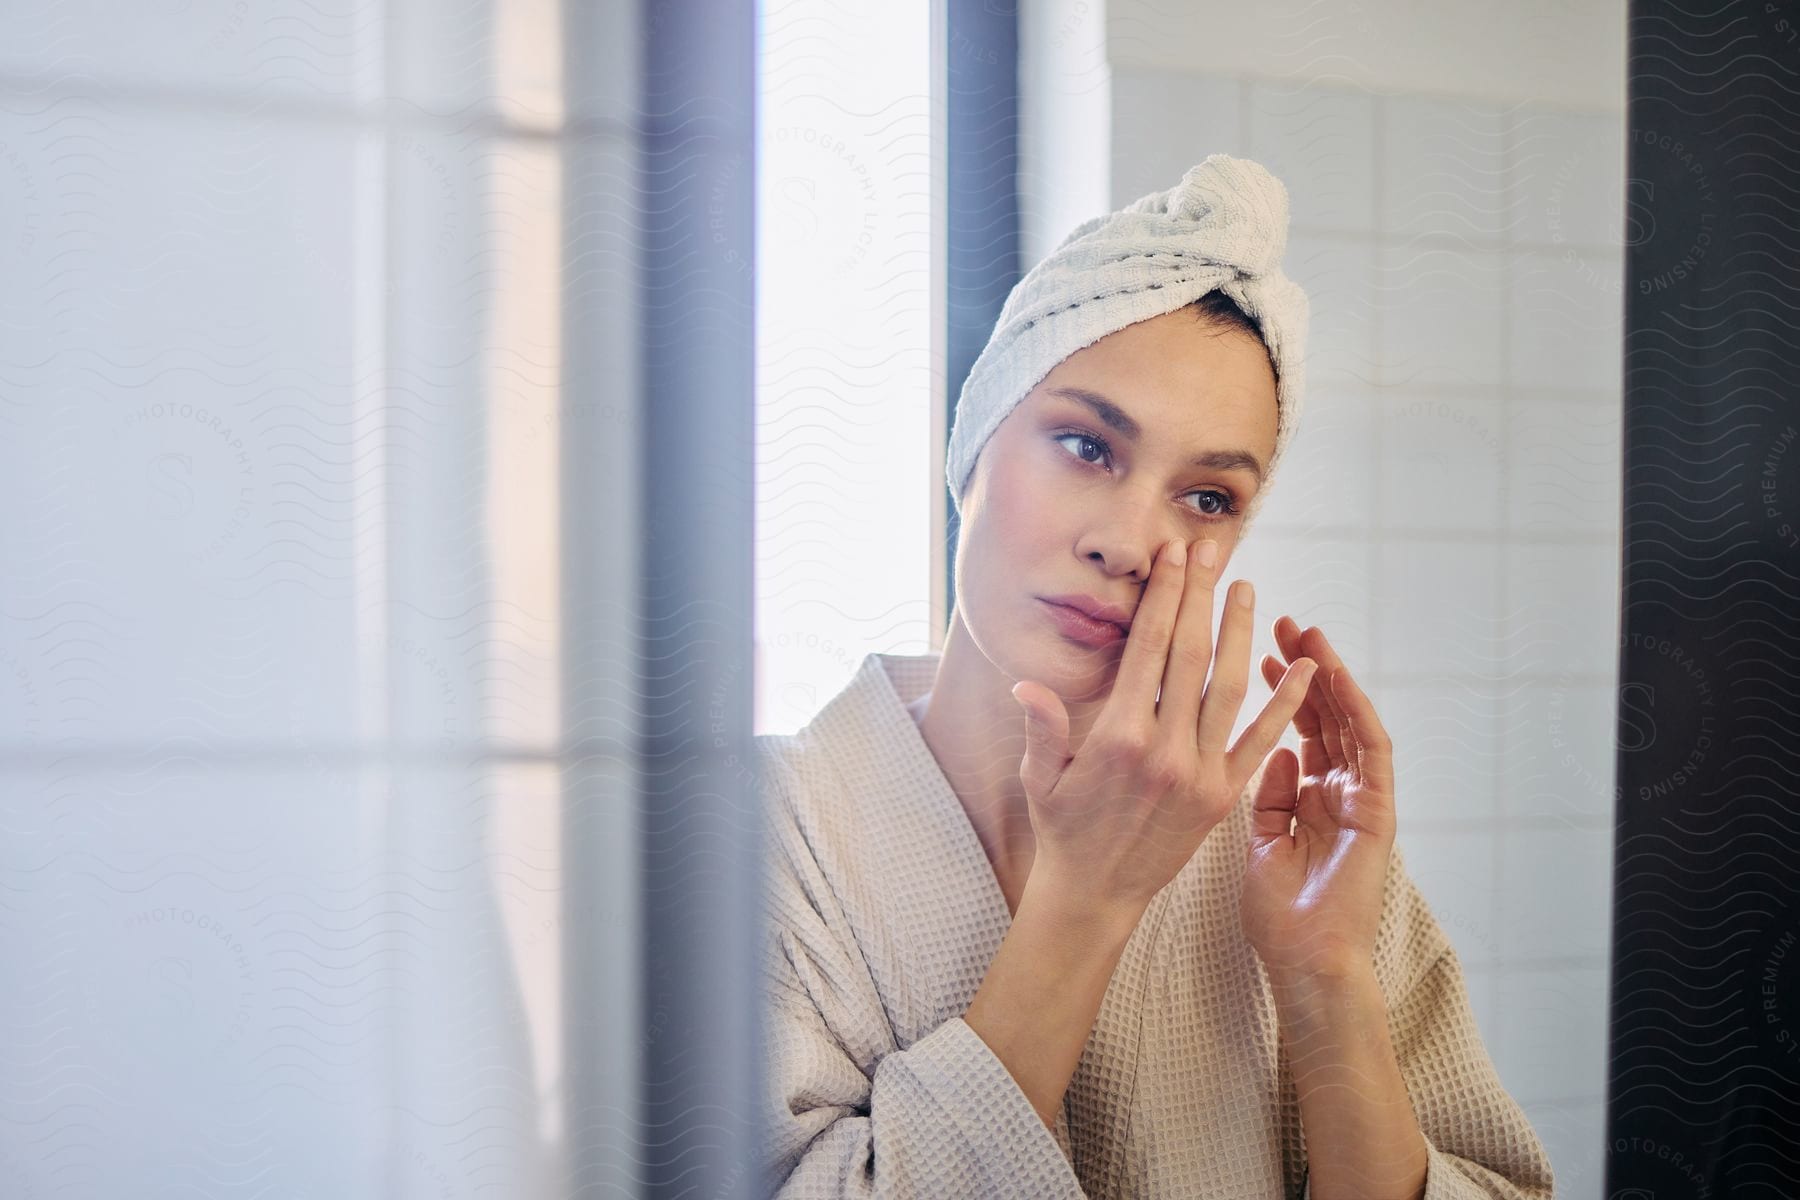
x=976, y=731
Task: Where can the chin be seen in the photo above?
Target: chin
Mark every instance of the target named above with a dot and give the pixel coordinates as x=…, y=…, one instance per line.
x=1067, y=667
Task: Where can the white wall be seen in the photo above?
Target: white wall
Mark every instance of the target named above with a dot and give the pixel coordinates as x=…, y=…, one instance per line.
x=1450, y=514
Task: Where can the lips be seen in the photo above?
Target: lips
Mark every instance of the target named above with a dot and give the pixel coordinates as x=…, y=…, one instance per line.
x=1092, y=606
x=1079, y=625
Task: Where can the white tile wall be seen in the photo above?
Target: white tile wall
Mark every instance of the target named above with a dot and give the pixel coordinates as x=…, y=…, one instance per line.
x=1443, y=169
x=1201, y=115
x=1442, y=322
x=1343, y=322
x=1456, y=874
x=282, y=327
x=1552, y=1043
x=1320, y=582
x=1567, y=319
x=1313, y=496
x=1562, y=607
x=1563, y=463
x=1443, y=459
x=285, y=50
x=1566, y=181
x=1320, y=142
x=1555, y=893
x=1559, y=742
x=1462, y=433
x=216, y=237
x=1438, y=610
x=1448, y=748
x=210, y=937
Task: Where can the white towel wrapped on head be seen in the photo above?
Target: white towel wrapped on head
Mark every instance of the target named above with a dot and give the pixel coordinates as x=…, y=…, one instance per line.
x=1223, y=227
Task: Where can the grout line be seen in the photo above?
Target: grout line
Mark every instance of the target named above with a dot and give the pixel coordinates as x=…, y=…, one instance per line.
x=1378, y=530
x=1324, y=87
x=1502, y=805
x=1446, y=536
x=1566, y=1102
x=1530, y=824
x=73, y=760
x=1451, y=241
x=474, y=120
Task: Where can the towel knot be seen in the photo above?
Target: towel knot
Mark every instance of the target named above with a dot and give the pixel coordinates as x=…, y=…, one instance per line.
x=1237, y=210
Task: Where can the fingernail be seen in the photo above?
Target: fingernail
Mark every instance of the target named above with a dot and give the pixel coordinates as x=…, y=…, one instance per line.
x=1209, y=553
x=1246, y=594
x=1177, y=552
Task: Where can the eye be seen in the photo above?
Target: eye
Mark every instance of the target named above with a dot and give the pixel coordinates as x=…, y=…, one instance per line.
x=1225, y=506
x=1219, y=505
x=1088, y=438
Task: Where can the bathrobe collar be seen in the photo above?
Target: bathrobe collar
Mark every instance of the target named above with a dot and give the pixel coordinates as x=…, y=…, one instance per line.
x=913, y=829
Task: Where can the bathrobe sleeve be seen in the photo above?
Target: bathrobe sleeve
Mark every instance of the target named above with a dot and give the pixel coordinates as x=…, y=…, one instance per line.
x=1478, y=1141
x=849, y=1113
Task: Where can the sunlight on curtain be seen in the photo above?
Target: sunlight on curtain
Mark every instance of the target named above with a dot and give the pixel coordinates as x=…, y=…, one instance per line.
x=844, y=395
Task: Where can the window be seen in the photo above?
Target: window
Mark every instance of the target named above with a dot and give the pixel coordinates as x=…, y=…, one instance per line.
x=848, y=451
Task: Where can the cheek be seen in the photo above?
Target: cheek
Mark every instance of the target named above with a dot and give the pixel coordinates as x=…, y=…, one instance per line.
x=1023, y=510
x=1011, y=532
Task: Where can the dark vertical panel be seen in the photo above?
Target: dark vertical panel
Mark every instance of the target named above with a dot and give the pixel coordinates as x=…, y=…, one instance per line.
x=697, y=202
x=1704, y=1088
x=982, y=120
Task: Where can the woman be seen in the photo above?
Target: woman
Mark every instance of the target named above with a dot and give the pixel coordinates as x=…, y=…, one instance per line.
x=1037, y=927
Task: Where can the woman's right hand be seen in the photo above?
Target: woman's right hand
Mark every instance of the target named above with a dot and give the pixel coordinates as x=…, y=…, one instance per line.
x=1117, y=820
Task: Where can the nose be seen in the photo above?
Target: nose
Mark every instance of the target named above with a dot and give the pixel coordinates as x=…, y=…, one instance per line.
x=1126, y=533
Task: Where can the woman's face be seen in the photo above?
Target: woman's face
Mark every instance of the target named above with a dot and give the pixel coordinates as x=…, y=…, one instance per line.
x=1155, y=432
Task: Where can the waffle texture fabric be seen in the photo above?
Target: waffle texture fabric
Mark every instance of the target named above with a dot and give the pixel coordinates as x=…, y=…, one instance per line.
x=1223, y=227
x=881, y=916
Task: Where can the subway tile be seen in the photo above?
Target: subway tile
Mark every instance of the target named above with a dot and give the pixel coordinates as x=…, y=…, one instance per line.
x=1455, y=874
x=1320, y=142
x=1568, y=178
x=1323, y=582
x=286, y=50
x=1567, y=322
x=1553, y=1032
x=1555, y=893
x=1339, y=277
x=306, y=540
x=1442, y=460
x=1445, y=169
x=1150, y=151
x=1560, y=747
x=193, y=255
x=1564, y=466
x=185, y=437
x=1447, y=750
x=209, y=931
x=1439, y=608
x=464, y=59
x=1440, y=315
x=1562, y=607
x=1327, y=475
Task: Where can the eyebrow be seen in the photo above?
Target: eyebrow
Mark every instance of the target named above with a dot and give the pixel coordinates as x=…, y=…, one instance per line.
x=1122, y=423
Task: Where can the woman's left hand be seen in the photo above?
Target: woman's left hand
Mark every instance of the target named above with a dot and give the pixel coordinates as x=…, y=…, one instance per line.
x=1312, y=900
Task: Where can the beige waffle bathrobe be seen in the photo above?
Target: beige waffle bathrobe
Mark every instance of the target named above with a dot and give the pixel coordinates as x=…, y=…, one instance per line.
x=882, y=916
